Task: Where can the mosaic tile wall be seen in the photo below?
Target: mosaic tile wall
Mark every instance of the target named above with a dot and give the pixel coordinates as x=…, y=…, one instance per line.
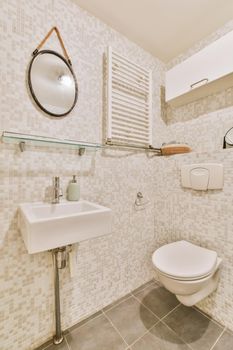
x=204, y=218
x=201, y=217
x=109, y=267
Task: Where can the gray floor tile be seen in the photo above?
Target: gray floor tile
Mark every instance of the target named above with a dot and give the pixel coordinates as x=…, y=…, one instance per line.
x=45, y=345
x=98, y=334
x=81, y=323
x=160, y=338
x=193, y=327
x=151, y=282
x=159, y=300
x=225, y=342
x=62, y=346
x=132, y=319
x=118, y=301
x=40, y=347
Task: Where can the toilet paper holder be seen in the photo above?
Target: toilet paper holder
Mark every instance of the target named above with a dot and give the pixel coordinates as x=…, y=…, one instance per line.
x=140, y=203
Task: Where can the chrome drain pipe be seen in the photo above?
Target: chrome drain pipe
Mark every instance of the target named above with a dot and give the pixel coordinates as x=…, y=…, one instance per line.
x=59, y=262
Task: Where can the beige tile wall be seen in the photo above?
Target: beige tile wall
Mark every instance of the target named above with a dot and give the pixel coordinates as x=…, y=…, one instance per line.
x=107, y=268
x=204, y=218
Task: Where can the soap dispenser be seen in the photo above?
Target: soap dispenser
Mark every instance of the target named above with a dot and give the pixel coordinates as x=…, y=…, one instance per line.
x=73, y=192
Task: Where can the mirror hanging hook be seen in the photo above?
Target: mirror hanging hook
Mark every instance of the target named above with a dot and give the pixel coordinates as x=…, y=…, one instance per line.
x=60, y=41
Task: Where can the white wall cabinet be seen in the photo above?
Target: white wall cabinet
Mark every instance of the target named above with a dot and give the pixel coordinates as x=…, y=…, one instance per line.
x=206, y=72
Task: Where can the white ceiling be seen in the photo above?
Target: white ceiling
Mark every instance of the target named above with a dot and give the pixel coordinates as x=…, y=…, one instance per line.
x=165, y=28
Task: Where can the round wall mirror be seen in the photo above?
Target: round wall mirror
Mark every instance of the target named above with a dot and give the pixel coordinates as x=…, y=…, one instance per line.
x=228, y=138
x=52, y=83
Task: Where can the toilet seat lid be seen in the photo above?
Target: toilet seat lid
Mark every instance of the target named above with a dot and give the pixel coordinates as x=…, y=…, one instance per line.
x=184, y=260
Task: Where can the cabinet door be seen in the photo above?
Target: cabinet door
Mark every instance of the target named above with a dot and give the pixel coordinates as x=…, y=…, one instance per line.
x=207, y=65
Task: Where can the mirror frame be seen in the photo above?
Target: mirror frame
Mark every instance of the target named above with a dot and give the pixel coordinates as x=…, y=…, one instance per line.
x=225, y=143
x=31, y=86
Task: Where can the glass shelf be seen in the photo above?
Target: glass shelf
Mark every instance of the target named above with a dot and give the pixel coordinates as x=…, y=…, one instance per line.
x=35, y=140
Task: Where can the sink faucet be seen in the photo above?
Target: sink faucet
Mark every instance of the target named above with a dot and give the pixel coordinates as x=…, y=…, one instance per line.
x=57, y=191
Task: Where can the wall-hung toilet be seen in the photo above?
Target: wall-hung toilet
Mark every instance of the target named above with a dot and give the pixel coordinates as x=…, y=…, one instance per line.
x=187, y=270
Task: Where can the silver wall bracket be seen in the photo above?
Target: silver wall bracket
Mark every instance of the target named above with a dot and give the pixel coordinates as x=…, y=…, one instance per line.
x=22, y=145
x=81, y=151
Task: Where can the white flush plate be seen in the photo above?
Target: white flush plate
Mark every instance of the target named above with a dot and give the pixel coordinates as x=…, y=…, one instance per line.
x=203, y=176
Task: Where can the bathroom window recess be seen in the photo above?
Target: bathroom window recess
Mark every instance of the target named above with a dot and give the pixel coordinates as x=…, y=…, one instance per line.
x=129, y=102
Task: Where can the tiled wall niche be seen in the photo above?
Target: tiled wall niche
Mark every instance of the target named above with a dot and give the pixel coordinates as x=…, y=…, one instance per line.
x=107, y=268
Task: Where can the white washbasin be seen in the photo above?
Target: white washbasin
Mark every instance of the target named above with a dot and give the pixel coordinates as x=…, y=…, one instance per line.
x=47, y=226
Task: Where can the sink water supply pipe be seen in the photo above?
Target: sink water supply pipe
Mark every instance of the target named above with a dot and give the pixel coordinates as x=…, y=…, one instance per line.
x=60, y=257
